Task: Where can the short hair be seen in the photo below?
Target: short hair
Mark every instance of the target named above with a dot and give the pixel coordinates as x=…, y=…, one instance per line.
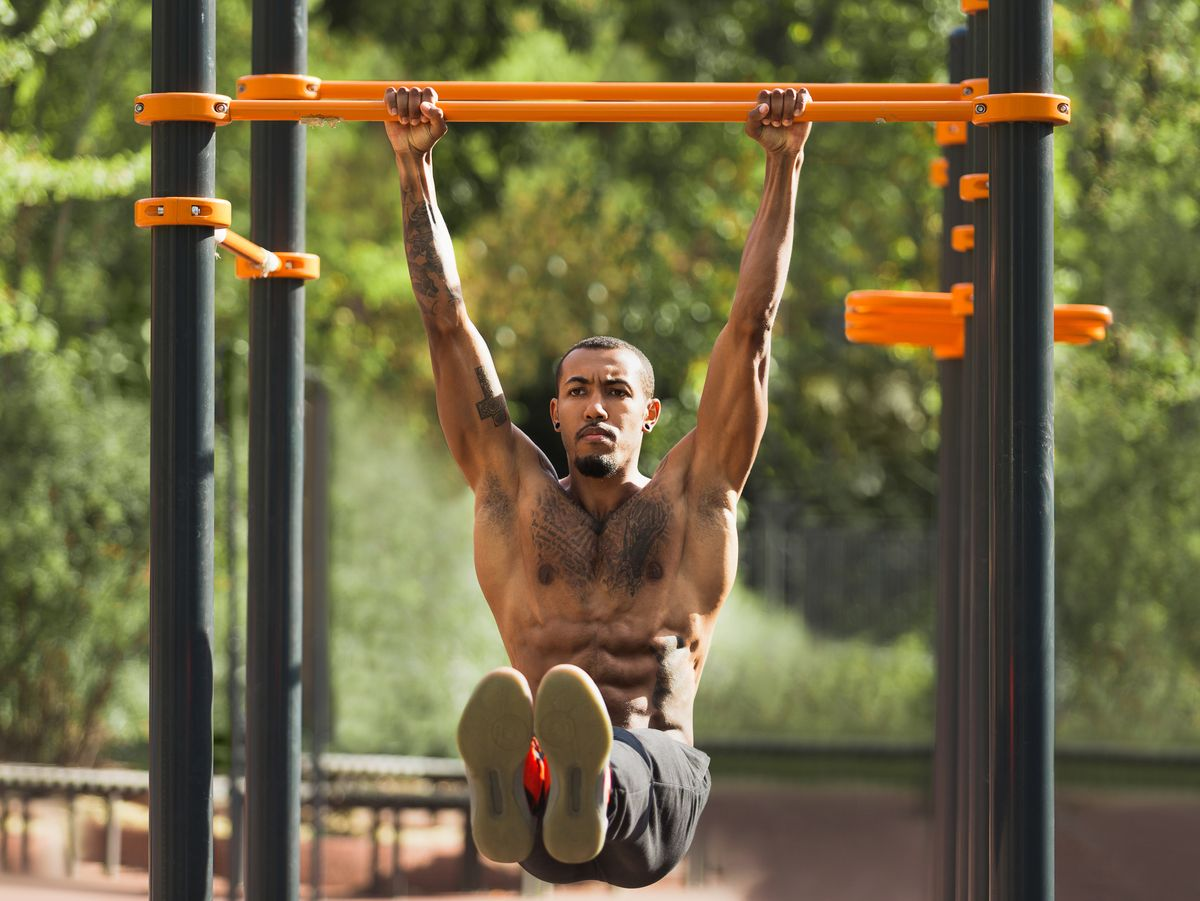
x=605, y=342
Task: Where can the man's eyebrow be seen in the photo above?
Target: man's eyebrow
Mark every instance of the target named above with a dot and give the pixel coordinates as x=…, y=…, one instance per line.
x=578, y=378
x=617, y=380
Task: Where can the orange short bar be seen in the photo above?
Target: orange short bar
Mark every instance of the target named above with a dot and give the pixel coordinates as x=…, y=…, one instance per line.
x=181, y=107
x=303, y=87
x=261, y=261
x=151, y=212
x=898, y=301
x=306, y=266
x=970, y=7
x=600, y=111
x=962, y=238
x=1052, y=108
x=950, y=134
x=974, y=187
x=939, y=172
x=1081, y=323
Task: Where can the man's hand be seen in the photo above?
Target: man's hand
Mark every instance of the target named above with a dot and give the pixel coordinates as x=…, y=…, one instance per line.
x=773, y=121
x=421, y=121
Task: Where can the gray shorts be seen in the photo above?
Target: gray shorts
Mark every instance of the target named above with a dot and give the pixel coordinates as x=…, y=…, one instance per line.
x=660, y=786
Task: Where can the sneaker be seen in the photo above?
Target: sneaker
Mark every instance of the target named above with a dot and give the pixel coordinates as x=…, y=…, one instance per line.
x=493, y=738
x=573, y=728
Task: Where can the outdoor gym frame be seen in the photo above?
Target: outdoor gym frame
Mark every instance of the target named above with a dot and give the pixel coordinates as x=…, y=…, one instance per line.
x=994, y=772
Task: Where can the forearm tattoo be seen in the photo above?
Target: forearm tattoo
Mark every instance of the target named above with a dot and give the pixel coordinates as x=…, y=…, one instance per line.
x=492, y=406
x=425, y=264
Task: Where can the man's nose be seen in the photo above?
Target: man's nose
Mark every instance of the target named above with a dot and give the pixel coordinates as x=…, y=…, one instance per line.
x=596, y=411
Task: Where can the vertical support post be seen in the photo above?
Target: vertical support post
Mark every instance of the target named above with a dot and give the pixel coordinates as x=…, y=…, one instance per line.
x=233, y=633
x=273, y=634
x=949, y=597
x=316, y=605
x=112, y=834
x=979, y=351
x=1022, y=401
x=183, y=159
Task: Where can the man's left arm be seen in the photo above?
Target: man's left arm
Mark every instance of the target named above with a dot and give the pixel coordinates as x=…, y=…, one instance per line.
x=733, y=407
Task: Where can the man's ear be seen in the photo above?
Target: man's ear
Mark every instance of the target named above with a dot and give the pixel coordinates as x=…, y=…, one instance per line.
x=653, y=411
x=554, y=412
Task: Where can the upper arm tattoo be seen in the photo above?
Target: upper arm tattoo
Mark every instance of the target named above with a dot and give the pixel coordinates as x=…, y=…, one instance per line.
x=425, y=264
x=492, y=406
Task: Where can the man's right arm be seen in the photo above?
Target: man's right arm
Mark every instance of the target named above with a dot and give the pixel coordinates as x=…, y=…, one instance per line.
x=471, y=406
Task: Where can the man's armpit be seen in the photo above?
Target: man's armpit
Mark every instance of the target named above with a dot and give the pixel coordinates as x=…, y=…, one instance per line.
x=496, y=504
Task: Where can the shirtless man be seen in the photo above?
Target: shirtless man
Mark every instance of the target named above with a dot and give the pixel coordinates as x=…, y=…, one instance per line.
x=606, y=584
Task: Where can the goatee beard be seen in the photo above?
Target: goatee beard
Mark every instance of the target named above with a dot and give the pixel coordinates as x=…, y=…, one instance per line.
x=600, y=466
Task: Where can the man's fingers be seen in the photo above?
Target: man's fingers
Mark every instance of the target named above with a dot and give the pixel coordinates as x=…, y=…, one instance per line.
x=776, y=106
x=414, y=106
x=389, y=101
x=437, y=118
x=789, y=106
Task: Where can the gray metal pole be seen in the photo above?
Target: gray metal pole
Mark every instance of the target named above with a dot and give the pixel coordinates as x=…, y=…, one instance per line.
x=949, y=600
x=183, y=157
x=276, y=463
x=233, y=632
x=316, y=605
x=1022, y=404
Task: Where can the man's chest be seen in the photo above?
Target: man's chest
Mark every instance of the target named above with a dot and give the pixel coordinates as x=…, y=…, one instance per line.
x=635, y=548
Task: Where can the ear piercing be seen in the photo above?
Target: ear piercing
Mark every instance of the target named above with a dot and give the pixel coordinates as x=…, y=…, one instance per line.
x=557, y=426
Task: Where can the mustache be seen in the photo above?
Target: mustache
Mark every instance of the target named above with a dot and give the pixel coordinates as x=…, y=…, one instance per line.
x=595, y=429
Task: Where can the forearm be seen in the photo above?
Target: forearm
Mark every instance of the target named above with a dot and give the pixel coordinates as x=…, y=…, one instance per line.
x=768, y=250
x=427, y=245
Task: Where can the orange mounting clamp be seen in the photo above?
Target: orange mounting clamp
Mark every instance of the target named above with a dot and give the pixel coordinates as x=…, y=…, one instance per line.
x=306, y=266
x=974, y=87
x=962, y=299
x=939, y=172
x=182, y=107
x=974, y=187
x=154, y=211
x=962, y=238
x=949, y=134
x=1052, y=108
x=1080, y=323
x=278, y=87
x=970, y=7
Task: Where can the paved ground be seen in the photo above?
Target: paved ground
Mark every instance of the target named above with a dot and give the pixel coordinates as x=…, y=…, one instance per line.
x=761, y=843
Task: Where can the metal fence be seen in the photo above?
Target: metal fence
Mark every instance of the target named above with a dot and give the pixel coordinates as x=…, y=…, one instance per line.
x=872, y=581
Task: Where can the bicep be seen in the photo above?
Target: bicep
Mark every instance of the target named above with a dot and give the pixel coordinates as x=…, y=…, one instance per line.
x=470, y=402
x=733, y=407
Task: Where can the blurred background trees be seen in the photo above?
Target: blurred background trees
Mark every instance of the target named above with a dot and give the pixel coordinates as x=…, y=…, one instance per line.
x=563, y=231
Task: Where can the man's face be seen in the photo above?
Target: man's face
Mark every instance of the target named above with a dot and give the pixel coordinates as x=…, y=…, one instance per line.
x=602, y=409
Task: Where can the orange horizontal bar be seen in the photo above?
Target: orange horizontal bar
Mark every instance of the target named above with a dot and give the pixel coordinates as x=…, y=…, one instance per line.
x=262, y=259
x=600, y=111
x=633, y=90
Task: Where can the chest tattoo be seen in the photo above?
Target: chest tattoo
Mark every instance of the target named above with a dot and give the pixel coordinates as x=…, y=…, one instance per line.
x=620, y=551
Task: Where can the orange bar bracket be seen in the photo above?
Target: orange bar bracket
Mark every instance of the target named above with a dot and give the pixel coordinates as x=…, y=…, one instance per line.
x=939, y=172
x=1052, y=108
x=181, y=107
x=962, y=238
x=974, y=87
x=962, y=299
x=950, y=134
x=974, y=187
x=155, y=211
x=279, y=87
x=306, y=266
x=970, y=7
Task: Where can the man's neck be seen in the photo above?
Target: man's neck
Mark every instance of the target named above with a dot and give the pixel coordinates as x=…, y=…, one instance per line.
x=600, y=497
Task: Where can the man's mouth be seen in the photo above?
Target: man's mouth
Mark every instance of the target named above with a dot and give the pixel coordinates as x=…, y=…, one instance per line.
x=595, y=432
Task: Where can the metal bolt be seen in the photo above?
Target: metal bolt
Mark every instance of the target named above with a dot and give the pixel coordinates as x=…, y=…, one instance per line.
x=980, y=108
x=241, y=89
x=160, y=210
x=968, y=90
x=139, y=107
x=1064, y=107
x=312, y=88
x=195, y=210
x=288, y=265
x=221, y=107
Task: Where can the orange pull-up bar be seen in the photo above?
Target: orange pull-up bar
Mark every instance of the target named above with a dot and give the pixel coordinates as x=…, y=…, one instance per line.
x=304, y=87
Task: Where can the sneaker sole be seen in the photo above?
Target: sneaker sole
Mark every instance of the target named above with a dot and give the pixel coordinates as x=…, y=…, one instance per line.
x=494, y=734
x=575, y=733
